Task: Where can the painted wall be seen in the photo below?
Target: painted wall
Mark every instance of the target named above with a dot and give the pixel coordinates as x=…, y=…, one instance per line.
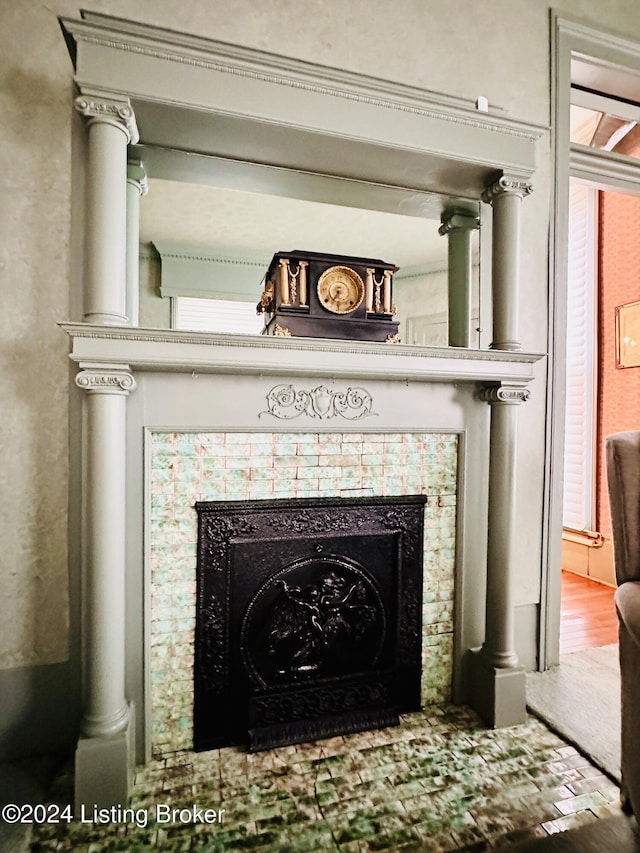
x=455, y=47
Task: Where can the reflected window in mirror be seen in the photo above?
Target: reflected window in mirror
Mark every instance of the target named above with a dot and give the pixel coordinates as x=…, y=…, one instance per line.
x=205, y=250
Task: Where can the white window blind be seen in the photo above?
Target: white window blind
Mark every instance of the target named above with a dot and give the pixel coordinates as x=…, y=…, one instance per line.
x=216, y=315
x=579, y=452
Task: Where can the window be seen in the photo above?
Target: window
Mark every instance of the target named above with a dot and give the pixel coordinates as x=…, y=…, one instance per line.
x=604, y=123
x=579, y=458
x=215, y=315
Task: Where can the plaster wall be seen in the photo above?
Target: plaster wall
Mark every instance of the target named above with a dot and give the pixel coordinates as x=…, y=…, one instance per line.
x=457, y=48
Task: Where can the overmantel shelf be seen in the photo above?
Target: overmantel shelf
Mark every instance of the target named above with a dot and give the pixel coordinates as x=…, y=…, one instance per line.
x=171, y=350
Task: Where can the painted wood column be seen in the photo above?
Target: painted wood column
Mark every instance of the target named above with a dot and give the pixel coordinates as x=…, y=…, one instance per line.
x=111, y=127
x=106, y=709
x=458, y=225
x=498, y=688
x=505, y=196
x=137, y=186
x=104, y=754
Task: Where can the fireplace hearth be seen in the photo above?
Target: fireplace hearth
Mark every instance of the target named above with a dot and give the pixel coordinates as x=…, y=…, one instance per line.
x=309, y=618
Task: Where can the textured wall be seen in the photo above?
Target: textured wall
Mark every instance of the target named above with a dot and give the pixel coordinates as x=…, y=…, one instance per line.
x=35, y=145
x=498, y=48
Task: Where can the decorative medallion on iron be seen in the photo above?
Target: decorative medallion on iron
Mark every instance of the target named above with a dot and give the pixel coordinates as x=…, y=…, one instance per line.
x=309, y=618
x=315, y=295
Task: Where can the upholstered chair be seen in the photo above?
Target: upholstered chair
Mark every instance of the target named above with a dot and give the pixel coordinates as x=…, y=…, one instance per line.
x=623, y=476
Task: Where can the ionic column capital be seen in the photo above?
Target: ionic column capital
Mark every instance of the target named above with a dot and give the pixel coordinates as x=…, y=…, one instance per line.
x=507, y=185
x=137, y=176
x=457, y=220
x=505, y=393
x=106, y=379
x=119, y=113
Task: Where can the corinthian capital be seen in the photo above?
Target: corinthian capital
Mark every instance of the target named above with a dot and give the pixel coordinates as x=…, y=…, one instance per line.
x=507, y=184
x=504, y=393
x=106, y=379
x=110, y=110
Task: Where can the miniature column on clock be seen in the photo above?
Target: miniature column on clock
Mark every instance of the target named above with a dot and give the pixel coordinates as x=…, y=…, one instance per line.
x=284, y=281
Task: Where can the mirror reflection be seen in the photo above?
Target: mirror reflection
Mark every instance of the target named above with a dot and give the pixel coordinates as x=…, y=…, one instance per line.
x=205, y=250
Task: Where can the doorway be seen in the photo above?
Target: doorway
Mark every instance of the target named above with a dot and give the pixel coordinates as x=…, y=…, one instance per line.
x=603, y=394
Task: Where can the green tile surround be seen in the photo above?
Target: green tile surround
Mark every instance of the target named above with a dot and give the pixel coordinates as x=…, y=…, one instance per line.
x=187, y=467
x=440, y=781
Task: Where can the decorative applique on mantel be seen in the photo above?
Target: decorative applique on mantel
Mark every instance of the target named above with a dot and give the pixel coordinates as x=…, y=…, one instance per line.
x=286, y=403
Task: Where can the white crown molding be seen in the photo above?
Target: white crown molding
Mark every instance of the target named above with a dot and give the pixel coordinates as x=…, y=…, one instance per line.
x=183, y=252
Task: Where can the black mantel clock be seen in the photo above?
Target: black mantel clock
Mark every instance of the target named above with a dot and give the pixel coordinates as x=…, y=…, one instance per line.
x=315, y=295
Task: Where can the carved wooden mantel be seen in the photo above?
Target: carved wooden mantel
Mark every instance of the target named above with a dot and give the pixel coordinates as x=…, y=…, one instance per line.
x=172, y=350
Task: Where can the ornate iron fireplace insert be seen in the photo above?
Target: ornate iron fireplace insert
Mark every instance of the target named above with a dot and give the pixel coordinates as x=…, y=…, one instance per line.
x=309, y=618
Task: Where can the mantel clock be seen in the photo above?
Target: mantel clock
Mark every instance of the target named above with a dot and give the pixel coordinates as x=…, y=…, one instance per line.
x=316, y=295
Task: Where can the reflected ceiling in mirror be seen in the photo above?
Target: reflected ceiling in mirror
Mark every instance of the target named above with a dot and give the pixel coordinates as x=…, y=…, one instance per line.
x=210, y=223
x=253, y=224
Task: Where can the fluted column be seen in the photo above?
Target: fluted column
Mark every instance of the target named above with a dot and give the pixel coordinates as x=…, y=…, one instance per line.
x=505, y=196
x=111, y=126
x=458, y=225
x=498, y=683
x=137, y=186
x=105, y=704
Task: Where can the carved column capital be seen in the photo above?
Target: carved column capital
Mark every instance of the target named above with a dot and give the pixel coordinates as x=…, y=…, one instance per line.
x=507, y=185
x=137, y=176
x=457, y=220
x=106, y=379
x=505, y=393
x=119, y=113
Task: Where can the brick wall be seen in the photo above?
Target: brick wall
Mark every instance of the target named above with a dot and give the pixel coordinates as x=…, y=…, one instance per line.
x=619, y=283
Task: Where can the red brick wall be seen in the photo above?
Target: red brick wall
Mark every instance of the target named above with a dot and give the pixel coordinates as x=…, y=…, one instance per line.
x=619, y=283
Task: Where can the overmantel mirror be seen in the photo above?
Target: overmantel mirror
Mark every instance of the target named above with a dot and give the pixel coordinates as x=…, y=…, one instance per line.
x=204, y=251
x=244, y=154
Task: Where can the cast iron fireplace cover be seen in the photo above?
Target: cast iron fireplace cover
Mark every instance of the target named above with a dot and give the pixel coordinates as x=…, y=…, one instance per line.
x=308, y=621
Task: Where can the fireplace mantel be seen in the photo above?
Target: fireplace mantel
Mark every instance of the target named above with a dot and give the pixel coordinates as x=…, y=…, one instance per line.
x=178, y=351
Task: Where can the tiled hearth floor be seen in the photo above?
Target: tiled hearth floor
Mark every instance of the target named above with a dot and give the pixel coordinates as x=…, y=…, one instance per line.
x=440, y=781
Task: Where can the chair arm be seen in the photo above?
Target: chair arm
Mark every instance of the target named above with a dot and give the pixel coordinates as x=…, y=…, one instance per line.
x=627, y=599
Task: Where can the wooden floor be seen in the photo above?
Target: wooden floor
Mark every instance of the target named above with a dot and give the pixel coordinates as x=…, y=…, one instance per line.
x=587, y=614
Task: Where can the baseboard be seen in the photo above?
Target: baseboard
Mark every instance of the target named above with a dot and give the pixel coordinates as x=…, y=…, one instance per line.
x=593, y=562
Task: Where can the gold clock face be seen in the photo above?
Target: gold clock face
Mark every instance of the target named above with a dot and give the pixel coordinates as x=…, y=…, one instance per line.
x=340, y=290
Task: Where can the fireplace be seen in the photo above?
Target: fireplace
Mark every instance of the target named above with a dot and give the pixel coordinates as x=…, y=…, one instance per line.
x=222, y=468
x=308, y=619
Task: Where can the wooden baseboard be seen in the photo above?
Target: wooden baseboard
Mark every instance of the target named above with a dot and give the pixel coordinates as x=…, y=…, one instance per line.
x=595, y=563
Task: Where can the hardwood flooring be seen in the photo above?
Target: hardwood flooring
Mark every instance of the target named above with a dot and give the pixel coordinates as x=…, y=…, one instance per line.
x=587, y=614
